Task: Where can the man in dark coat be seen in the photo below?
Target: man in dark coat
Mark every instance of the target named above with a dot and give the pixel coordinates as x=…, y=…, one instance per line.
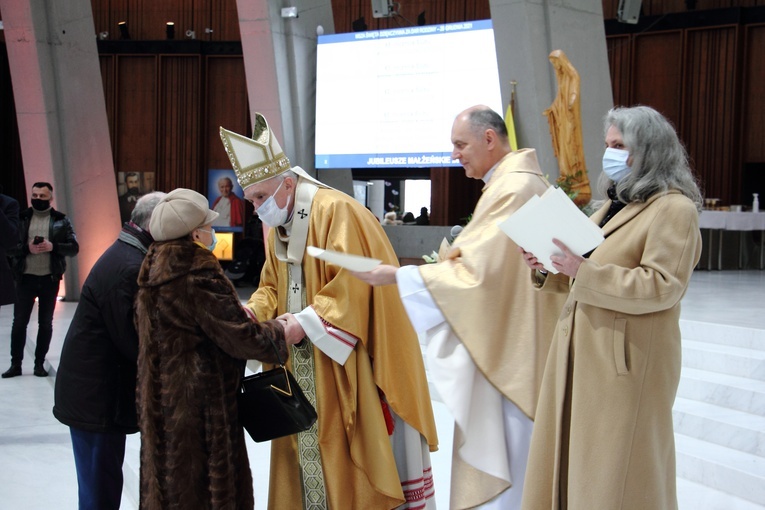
x=9, y=237
x=46, y=238
x=95, y=383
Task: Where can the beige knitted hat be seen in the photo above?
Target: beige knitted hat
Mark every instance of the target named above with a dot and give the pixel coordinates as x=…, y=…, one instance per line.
x=179, y=213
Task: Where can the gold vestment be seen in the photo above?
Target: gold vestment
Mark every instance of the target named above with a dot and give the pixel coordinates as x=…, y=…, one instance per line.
x=357, y=459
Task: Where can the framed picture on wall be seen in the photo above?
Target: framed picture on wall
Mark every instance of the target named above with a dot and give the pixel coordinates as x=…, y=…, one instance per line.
x=226, y=198
x=130, y=187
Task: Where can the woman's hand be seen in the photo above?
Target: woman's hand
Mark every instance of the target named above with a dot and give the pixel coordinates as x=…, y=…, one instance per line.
x=381, y=275
x=567, y=263
x=293, y=331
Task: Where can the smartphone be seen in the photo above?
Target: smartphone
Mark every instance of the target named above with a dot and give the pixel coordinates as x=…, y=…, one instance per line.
x=38, y=240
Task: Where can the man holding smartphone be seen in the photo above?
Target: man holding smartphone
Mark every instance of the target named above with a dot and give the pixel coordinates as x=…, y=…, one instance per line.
x=38, y=264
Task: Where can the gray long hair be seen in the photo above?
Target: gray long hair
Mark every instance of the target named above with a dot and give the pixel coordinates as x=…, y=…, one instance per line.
x=659, y=160
x=144, y=206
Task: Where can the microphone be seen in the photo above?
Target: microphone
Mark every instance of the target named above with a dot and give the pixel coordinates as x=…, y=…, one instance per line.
x=455, y=231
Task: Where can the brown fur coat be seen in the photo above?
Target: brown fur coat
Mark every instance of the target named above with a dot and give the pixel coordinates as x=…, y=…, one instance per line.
x=193, y=339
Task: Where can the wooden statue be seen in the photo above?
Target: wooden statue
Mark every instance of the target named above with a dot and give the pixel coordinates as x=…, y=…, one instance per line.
x=565, y=119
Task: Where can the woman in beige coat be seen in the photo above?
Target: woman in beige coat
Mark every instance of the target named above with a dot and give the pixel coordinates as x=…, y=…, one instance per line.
x=603, y=436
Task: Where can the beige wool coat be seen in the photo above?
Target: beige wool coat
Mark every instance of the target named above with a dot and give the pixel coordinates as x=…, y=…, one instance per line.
x=603, y=436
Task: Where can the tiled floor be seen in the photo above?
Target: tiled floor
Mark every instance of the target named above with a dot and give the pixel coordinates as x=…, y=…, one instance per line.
x=37, y=469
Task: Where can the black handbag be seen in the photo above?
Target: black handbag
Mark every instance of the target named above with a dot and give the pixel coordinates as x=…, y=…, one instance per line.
x=271, y=404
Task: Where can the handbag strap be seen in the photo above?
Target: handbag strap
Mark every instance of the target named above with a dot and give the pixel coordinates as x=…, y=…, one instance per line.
x=279, y=358
x=288, y=392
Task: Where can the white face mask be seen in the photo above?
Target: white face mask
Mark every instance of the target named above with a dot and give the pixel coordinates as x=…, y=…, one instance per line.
x=615, y=164
x=270, y=213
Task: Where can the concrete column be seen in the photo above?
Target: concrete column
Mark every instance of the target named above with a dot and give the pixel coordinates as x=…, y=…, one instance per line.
x=525, y=32
x=62, y=119
x=280, y=66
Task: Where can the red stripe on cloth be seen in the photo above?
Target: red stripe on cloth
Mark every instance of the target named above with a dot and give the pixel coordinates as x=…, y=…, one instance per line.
x=427, y=473
x=422, y=492
x=341, y=339
x=330, y=329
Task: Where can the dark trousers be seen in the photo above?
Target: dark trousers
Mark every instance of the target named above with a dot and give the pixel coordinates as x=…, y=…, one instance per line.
x=98, y=458
x=45, y=289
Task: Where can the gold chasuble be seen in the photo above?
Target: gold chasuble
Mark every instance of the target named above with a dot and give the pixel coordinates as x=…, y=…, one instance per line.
x=483, y=288
x=384, y=370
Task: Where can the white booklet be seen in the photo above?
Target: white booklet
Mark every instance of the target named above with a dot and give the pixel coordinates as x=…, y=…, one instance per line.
x=346, y=260
x=552, y=215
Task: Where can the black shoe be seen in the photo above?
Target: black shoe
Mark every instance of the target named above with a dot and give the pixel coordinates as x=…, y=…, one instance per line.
x=12, y=372
x=39, y=370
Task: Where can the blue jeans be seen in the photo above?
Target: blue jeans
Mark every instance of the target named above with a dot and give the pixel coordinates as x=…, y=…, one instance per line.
x=98, y=457
x=45, y=289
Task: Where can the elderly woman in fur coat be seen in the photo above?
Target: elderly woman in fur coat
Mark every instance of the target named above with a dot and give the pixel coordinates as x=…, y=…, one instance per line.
x=194, y=338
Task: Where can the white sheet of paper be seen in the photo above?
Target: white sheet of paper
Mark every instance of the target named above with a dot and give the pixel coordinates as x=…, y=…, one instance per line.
x=553, y=215
x=352, y=262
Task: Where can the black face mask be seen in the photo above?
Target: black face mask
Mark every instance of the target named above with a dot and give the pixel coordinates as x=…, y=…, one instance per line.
x=40, y=205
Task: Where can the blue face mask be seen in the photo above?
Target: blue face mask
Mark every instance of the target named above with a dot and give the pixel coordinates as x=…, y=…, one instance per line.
x=615, y=164
x=211, y=247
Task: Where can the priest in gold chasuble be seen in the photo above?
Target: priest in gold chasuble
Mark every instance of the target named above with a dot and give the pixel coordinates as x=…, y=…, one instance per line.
x=488, y=330
x=359, y=362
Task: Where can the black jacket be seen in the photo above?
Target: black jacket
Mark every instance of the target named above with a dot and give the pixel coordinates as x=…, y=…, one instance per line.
x=61, y=234
x=95, y=382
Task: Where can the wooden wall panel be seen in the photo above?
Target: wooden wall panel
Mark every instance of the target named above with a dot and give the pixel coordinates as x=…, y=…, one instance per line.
x=108, y=79
x=180, y=123
x=753, y=104
x=166, y=113
x=659, y=7
x=620, y=65
x=108, y=13
x=657, y=75
x=227, y=106
x=435, y=11
x=452, y=196
x=147, y=18
x=102, y=18
x=224, y=21
x=439, y=203
x=135, y=145
x=709, y=125
x=154, y=17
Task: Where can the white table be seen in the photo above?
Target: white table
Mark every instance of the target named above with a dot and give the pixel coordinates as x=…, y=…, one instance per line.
x=732, y=221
